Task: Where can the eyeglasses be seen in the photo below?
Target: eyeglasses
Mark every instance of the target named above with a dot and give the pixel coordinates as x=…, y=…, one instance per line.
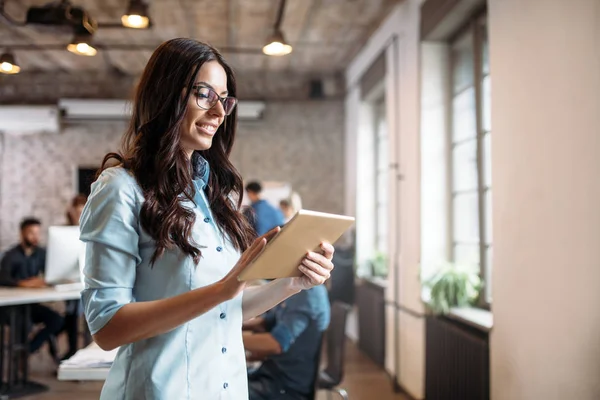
x=206, y=98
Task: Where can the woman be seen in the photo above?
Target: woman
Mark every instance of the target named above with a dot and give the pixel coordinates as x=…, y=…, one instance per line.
x=75, y=209
x=286, y=209
x=163, y=233
x=290, y=206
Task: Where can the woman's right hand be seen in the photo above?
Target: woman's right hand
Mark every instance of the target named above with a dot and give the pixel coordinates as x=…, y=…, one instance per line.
x=230, y=283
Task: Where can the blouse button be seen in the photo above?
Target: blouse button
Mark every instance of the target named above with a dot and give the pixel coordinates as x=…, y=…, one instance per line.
x=225, y=385
x=207, y=220
x=219, y=249
x=224, y=350
x=222, y=316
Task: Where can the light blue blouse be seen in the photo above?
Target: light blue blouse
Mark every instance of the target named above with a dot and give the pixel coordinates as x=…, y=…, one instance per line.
x=201, y=359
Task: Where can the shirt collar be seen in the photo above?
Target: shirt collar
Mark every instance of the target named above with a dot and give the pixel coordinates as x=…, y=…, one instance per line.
x=200, y=169
x=21, y=249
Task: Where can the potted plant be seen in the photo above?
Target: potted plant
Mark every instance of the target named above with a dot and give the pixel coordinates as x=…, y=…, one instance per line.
x=453, y=285
x=379, y=265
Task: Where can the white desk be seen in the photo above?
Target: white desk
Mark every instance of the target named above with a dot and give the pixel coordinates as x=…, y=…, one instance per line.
x=88, y=364
x=81, y=366
x=20, y=296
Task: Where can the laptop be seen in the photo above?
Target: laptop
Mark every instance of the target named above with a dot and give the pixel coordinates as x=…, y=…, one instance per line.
x=65, y=255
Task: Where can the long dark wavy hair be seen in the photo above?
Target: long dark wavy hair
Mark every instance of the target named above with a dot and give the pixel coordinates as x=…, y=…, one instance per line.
x=151, y=151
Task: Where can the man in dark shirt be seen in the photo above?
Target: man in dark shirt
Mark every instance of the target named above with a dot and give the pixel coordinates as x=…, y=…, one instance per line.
x=287, y=340
x=265, y=216
x=21, y=266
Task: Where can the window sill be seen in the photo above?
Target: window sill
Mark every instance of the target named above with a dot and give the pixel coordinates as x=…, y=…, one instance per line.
x=478, y=318
x=377, y=281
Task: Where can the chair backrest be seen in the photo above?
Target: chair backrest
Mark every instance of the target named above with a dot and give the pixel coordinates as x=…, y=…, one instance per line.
x=314, y=386
x=341, y=283
x=336, y=341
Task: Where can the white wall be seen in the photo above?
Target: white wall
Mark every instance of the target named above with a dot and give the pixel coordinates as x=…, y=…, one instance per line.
x=398, y=37
x=545, y=63
x=351, y=110
x=365, y=197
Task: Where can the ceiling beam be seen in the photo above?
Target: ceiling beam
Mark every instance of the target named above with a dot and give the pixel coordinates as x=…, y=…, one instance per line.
x=26, y=33
x=48, y=87
x=312, y=11
x=120, y=46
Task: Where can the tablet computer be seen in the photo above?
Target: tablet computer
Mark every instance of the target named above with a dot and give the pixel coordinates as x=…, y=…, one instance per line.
x=304, y=232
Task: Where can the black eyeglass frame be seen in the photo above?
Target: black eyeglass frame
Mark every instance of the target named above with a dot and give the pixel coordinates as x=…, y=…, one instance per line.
x=197, y=88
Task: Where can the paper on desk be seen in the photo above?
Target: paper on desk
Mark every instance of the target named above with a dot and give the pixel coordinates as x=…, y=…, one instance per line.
x=91, y=357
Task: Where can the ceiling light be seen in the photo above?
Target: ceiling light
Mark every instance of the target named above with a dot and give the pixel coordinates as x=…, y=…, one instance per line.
x=136, y=16
x=8, y=65
x=276, y=45
x=80, y=45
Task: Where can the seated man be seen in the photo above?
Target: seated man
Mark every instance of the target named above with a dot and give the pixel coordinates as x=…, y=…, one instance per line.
x=287, y=340
x=21, y=266
x=265, y=216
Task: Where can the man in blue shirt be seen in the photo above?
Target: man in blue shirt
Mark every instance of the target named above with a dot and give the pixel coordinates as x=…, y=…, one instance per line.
x=287, y=340
x=22, y=266
x=266, y=216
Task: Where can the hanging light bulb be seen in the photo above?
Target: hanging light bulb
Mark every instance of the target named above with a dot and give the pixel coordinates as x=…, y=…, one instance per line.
x=136, y=16
x=80, y=45
x=8, y=65
x=276, y=45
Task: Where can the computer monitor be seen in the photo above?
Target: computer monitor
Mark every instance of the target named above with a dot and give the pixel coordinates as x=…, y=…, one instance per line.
x=64, y=255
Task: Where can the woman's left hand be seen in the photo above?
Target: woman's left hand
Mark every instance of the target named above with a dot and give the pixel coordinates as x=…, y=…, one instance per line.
x=316, y=268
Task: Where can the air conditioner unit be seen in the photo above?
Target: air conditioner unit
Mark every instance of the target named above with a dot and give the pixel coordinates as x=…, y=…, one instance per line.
x=88, y=109
x=19, y=120
x=250, y=110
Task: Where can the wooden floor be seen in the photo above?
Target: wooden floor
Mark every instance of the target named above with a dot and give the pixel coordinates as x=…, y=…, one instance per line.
x=363, y=380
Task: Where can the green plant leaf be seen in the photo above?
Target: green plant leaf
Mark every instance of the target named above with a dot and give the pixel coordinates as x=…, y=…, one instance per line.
x=453, y=286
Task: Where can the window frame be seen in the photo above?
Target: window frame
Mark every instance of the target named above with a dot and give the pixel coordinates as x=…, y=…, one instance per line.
x=475, y=31
x=379, y=115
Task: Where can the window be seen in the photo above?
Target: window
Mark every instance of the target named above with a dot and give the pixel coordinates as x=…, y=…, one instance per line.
x=85, y=178
x=372, y=166
x=381, y=179
x=471, y=183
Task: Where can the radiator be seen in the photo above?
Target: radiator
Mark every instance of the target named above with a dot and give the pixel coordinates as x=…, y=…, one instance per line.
x=457, y=361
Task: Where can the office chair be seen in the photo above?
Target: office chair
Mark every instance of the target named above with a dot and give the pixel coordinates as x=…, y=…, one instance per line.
x=313, y=394
x=332, y=375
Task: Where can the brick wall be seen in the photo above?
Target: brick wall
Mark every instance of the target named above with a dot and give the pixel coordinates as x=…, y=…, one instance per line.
x=39, y=172
x=300, y=142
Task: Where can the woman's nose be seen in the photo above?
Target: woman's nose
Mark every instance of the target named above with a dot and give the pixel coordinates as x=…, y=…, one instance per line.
x=218, y=110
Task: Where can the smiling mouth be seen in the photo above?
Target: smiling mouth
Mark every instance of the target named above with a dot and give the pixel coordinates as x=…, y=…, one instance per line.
x=207, y=128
